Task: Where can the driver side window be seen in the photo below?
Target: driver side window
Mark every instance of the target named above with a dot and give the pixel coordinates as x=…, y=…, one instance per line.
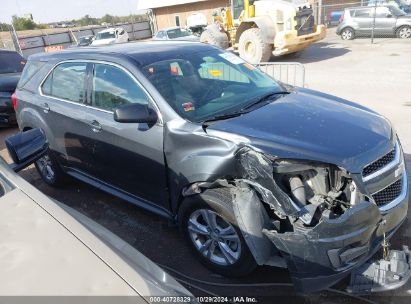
x=113, y=87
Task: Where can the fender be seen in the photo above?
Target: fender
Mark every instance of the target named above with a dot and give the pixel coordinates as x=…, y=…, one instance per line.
x=29, y=118
x=263, y=22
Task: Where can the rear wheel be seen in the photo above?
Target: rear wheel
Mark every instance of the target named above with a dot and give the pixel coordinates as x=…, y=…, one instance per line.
x=404, y=32
x=347, y=34
x=208, y=223
x=252, y=46
x=50, y=170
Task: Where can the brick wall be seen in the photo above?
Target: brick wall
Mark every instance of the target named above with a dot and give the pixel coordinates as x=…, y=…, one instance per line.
x=165, y=16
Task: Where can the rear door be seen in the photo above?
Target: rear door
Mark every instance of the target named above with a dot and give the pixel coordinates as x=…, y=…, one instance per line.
x=61, y=105
x=128, y=156
x=363, y=18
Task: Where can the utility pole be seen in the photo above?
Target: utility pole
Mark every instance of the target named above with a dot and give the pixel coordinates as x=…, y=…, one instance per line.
x=373, y=23
x=15, y=38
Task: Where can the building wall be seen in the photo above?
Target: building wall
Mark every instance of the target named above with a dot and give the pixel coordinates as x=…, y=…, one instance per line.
x=165, y=16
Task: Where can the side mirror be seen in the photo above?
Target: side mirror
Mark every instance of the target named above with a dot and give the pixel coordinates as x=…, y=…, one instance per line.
x=389, y=15
x=26, y=147
x=135, y=113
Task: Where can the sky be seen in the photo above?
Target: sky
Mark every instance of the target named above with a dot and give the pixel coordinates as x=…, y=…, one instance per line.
x=45, y=11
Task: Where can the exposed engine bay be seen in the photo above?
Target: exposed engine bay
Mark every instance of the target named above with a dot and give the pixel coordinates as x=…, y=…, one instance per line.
x=322, y=190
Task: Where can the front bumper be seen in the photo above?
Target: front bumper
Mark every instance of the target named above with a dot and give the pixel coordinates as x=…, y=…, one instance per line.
x=288, y=42
x=320, y=257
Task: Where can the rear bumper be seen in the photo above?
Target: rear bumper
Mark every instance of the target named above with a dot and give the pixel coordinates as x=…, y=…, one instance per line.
x=7, y=115
x=319, y=258
x=288, y=42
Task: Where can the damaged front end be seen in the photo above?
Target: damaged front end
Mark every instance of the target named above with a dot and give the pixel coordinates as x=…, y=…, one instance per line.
x=319, y=217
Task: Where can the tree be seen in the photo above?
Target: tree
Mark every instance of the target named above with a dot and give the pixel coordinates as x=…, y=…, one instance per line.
x=22, y=24
x=4, y=27
x=107, y=19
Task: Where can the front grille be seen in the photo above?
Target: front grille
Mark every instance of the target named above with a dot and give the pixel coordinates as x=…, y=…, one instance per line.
x=305, y=21
x=379, y=163
x=388, y=194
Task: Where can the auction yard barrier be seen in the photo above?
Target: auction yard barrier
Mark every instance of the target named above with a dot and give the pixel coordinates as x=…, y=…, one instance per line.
x=292, y=73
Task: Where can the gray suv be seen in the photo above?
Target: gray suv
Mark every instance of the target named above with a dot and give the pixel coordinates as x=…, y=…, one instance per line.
x=389, y=21
x=254, y=172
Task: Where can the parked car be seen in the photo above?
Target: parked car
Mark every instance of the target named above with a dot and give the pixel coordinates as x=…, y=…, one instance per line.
x=176, y=33
x=49, y=249
x=111, y=36
x=11, y=65
x=389, y=21
x=85, y=40
x=334, y=18
x=254, y=172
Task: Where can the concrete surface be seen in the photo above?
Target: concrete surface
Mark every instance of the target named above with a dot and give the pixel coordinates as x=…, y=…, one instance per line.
x=377, y=76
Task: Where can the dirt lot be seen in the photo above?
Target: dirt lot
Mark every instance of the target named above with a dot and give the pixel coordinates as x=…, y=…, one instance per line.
x=377, y=76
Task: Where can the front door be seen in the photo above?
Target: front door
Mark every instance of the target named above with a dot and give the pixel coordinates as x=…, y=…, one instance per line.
x=128, y=156
x=384, y=21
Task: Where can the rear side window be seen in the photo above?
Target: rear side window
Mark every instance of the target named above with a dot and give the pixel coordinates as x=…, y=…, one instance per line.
x=31, y=68
x=363, y=13
x=66, y=81
x=113, y=87
x=11, y=62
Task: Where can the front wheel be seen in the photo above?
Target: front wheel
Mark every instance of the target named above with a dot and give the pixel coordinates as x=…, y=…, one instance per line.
x=404, y=32
x=208, y=223
x=347, y=34
x=252, y=47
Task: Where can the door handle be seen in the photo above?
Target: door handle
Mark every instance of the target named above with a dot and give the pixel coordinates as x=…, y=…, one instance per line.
x=45, y=108
x=96, y=126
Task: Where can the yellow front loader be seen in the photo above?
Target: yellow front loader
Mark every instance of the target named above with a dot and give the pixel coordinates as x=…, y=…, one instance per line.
x=261, y=28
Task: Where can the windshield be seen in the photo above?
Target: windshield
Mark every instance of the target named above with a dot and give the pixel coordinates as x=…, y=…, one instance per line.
x=11, y=62
x=105, y=35
x=177, y=33
x=396, y=11
x=208, y=83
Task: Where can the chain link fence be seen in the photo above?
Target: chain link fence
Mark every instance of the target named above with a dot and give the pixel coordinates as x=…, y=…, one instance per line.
x=366, y=19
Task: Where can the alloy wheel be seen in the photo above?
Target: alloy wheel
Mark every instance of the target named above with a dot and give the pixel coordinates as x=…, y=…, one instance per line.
x=215, y=238
x=405, y=32
x=46, y=167
x=346, y=34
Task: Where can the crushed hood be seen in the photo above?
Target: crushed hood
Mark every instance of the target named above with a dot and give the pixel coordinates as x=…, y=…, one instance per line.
x=311, y=125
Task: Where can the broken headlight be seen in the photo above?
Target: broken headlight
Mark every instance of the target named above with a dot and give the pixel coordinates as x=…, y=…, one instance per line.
x=318, y=189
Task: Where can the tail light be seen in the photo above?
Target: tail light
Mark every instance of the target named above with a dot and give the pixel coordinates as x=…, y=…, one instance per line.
x=342, y=17
x=14, y=99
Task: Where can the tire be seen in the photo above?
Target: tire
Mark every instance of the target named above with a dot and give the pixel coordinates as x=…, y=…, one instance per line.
x=50, y=170
x=227, y=252
x=404, y=32
x=214, y=37
x=253, y=48
x=347, y=34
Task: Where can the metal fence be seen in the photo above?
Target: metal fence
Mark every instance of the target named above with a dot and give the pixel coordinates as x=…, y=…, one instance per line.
x=40, y=43
x=46, y=40
x=292, y=73
x=366, y=19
